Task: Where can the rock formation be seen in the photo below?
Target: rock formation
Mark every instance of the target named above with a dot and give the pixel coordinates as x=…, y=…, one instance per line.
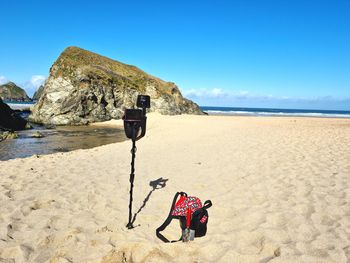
x=38, y=93
x=11, y=92
x=85, y=87
x=9, y=120
x=8, y=135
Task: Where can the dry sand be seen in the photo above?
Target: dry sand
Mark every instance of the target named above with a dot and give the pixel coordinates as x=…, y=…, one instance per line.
x=280, y=189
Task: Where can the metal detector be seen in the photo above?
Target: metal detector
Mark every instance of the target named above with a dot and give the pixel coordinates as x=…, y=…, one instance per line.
x=135, y=129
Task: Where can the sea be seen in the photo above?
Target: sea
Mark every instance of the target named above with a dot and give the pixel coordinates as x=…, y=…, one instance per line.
x=19, y=104
x=68, y=138
x=241, y=111
x=238, y=111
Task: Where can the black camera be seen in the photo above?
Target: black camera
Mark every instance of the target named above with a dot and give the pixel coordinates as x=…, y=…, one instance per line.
x=135, y=119
x=143, y=101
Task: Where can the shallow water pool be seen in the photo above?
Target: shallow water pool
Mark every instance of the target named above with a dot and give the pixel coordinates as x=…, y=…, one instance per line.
x=60, y=139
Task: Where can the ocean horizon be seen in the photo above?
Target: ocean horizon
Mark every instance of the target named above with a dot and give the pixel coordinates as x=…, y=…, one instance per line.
x=246, y=111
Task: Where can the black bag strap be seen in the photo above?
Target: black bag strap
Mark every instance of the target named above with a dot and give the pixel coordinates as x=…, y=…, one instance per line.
x=168, y=220
x=207, y=204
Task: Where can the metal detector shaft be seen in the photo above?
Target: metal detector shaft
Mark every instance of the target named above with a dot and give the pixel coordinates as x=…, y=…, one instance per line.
x=132, y=176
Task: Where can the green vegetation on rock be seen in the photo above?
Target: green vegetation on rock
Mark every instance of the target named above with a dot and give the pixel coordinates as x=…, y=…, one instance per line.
x=86, y=87
x=106, y=70
x=11, y=92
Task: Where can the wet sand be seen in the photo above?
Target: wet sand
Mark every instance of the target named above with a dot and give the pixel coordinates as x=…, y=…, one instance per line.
x=60, y=139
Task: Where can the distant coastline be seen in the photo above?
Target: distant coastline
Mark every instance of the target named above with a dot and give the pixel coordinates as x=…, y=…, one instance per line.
x=235, y=111
x=242, y=111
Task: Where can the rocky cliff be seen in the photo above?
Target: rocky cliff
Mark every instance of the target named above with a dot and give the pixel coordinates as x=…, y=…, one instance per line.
x=38, y=93
x=9, y=120
x=11, y=92
x=85, y=87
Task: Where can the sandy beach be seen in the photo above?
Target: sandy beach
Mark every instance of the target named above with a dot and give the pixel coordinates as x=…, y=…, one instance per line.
x=280, y=189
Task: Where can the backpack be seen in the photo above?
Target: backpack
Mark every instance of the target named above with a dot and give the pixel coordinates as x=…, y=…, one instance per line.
x=192, y=215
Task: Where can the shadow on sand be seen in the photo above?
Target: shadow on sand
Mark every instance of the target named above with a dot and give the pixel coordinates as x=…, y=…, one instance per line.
x=156, y=184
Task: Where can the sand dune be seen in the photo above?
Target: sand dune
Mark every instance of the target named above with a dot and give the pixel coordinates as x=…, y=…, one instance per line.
x=280, y=189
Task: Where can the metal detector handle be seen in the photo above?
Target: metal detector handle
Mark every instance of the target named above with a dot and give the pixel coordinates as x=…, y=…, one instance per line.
x=143, y=128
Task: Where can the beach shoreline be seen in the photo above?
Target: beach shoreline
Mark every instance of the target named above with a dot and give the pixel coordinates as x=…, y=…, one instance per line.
x=279, y=187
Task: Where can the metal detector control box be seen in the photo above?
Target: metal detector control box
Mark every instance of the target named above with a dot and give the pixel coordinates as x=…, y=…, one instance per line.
x=135, y=119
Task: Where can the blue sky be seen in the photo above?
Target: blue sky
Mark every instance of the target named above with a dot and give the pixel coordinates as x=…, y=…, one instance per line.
x=286, y=54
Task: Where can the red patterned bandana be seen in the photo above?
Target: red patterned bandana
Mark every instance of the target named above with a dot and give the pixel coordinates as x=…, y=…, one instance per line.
x=182, y=206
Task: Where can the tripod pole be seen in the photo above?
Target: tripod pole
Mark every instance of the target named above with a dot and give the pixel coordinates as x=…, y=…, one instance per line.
x=132, y=176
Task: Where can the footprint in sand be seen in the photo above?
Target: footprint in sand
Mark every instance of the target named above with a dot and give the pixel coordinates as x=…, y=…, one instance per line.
x=26, y=210
x=26, y=250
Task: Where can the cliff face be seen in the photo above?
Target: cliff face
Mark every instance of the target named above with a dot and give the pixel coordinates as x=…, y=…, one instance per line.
x=9, y=120
x=11, y=92
x=85, y=87
x=38, y=93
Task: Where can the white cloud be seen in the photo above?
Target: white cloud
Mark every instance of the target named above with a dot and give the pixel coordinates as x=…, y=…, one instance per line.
x=37, y=80
x=246, y=95
x=3, y=80
x=205, y=93
x=33, y=84
x=220, y=97
x=216, y=93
